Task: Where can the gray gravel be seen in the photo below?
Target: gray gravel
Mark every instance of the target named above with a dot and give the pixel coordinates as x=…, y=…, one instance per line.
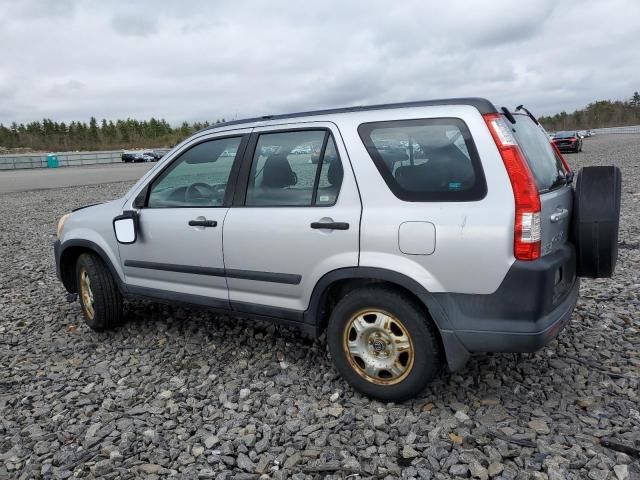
x=182, y=393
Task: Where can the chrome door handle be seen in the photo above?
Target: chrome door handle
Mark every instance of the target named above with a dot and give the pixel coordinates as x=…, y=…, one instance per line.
x=559, y=214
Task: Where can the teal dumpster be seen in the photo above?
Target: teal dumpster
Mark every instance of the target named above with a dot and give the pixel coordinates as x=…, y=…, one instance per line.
x=52, y=161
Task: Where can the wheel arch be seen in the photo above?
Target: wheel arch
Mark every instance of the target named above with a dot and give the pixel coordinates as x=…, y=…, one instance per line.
x=68, y=256
x=337, y=283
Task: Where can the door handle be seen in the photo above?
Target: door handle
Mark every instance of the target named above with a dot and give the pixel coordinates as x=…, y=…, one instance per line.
x=559, y=214
x=203, y=223
x=331, y=225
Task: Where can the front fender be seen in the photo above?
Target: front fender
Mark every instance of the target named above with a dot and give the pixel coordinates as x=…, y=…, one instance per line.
x=68, y=251
x=91, y=229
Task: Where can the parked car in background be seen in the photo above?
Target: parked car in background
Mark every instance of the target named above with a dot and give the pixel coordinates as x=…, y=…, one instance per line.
x=569, y=141
x=138, y=156
x=426, y=232
x=155, y=155
x=148, y=157
x=128, y=157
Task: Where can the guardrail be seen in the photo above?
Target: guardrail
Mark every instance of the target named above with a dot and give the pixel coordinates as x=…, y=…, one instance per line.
x=630, y=129
x=65, y=159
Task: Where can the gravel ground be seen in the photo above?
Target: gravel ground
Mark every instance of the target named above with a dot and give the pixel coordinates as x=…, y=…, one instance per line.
x=188, y=394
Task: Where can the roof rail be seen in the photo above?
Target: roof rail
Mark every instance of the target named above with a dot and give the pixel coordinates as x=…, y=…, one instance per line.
x=483, y=105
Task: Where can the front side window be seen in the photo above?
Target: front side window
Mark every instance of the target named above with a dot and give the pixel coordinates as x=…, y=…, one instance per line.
x=198, y=178
x=299, y=168
x=426, y=159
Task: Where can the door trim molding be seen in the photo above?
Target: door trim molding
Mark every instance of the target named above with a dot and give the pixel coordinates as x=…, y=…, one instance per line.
x=272, y=277
x=171, y=267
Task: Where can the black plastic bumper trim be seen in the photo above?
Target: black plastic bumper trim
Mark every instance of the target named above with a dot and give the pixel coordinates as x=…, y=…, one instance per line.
x=510, y=341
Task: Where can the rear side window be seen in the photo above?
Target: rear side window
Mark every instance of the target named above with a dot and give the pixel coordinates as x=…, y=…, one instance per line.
x=295, y=169
x=425, y=160
x=545, y=164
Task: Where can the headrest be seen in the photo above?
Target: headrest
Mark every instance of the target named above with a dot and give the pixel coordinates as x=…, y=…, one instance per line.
x=277, y=172
x=335, y=173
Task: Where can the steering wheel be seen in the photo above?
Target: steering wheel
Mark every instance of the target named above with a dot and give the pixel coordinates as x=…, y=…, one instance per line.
x=201, y=192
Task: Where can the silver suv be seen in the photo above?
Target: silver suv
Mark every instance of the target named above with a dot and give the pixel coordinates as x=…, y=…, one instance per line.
x=414, y=234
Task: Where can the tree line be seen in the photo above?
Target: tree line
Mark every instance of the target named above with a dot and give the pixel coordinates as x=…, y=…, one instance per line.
x=47, y=135
x=600, y=114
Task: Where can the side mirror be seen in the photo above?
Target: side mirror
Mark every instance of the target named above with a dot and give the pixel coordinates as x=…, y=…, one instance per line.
x=125, y=227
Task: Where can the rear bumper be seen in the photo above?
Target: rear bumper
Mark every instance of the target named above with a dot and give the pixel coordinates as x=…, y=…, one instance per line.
x=529, y=309
x=539, y=332
x=567, y=147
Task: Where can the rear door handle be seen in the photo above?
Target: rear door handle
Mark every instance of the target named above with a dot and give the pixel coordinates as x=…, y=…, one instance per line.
x=331, y=225
x=203, y=223
x=559, y=214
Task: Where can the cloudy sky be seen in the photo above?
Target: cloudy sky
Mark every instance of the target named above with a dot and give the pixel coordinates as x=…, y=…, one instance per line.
x=203, y=60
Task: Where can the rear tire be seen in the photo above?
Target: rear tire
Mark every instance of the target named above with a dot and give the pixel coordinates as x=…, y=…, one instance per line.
x=99, y=296
x=384, y=344
x=596, y=218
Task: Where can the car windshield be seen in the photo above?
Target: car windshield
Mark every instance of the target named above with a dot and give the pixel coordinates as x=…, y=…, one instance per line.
x=565, y=134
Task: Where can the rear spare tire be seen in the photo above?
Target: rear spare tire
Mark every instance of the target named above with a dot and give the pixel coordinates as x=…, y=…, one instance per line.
x=596, y=217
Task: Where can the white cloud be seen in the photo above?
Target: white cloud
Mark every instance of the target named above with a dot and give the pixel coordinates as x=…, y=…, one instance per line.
x=201, y=60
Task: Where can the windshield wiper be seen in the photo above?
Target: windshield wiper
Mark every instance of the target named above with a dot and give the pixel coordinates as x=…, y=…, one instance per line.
x=521, y=107
x=508, y=114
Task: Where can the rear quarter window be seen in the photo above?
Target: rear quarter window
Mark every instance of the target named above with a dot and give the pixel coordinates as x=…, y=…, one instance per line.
x=425, y=160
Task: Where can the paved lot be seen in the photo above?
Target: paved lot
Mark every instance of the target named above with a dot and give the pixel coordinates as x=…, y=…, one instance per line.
x=178, y=393
x=12, y=181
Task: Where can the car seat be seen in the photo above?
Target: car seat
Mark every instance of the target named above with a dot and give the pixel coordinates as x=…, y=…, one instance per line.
x=277, y=172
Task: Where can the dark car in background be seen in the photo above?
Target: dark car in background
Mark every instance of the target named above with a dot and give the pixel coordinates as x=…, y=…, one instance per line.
x=129, y=157
x=155, y=155
x=142, y=156
x=569, y=141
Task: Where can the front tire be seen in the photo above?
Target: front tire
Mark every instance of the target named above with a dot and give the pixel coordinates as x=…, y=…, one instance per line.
x=384, y=344
x=99, y=296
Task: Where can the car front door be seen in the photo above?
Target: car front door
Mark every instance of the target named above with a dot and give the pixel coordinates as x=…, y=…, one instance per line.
x=296, y=217
x=178, y=252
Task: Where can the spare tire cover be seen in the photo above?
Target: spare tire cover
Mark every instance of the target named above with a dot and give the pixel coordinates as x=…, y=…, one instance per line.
x=596, y=217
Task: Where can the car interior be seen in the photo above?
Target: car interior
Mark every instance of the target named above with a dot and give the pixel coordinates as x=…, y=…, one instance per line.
x=422, y=163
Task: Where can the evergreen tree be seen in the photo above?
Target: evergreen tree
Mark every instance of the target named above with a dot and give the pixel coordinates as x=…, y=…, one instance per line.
x=93, y=136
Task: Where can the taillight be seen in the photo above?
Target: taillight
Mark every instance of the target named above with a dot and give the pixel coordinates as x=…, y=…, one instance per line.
x=526, y=245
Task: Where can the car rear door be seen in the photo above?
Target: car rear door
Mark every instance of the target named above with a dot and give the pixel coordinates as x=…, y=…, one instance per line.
x=296, y=218
x=178, y=253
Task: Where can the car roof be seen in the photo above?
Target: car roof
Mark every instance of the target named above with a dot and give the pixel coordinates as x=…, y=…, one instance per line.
x=482, y=104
